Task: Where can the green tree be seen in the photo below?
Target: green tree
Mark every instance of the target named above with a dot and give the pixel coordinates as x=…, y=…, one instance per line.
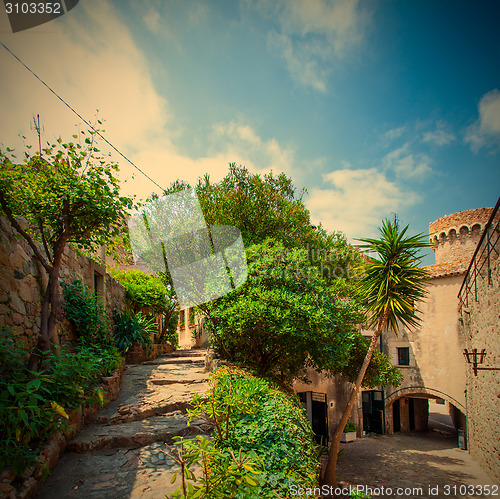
x=286, y=318
x=152, y=295
x=67, y=194
x=260, y=206
x=391, y=287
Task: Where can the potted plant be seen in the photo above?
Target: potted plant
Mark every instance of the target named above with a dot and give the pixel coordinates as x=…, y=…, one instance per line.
x=349, y=434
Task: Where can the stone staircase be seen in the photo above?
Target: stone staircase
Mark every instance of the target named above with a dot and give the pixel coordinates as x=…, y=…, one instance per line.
x=123, y=452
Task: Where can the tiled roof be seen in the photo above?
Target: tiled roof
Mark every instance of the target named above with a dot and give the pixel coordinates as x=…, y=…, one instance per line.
x=444, y=269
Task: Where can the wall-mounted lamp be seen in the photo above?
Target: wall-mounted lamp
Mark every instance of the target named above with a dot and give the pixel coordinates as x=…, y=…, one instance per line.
x=476, y=358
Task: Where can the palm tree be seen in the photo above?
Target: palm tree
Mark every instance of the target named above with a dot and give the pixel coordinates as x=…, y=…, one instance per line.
x=390, y=287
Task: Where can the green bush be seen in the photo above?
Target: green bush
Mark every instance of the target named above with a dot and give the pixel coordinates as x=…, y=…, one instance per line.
x=87, y=314
x=76, y=374
x=350, y=426
x=32, y=403
x=150, y=292
x=143, y=290
x=254, y=423
x=130, y=328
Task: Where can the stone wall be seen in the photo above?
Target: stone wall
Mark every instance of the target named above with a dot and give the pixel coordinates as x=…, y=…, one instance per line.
x=22, y=280
x=337, y=393
x=454, y=237
x=481, y=329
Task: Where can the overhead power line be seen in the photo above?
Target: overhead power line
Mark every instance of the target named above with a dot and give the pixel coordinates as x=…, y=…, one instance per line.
x=81, y=117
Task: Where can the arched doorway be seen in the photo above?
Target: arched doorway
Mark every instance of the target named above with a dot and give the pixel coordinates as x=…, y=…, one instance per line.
x=423, y=409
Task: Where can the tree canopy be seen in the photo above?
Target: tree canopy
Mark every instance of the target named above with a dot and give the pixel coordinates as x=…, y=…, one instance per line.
x=261, y=206
x=286, y=318
x=67, y=193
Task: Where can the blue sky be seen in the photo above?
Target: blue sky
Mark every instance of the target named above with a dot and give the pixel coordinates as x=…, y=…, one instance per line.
x=376, y=107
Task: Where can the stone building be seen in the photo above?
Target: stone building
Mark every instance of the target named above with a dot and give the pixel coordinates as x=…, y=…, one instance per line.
x=190, y=330
x=480, y=328
x=431, y=357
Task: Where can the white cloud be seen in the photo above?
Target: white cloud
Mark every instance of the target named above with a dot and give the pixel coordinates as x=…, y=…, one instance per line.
x=485, y=132
x=395, y=133
x=241, y=143
x=441, y=136
x=311, y=35
x=91, y=60
x=407, y=165
x=152, y=20
x=357, y=201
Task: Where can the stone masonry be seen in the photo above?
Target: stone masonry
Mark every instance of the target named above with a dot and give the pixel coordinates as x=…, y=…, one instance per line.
x=481, y=328
x=22, y=280
x=124, y=452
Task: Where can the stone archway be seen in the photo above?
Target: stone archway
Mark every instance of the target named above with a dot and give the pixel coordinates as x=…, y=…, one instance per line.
x=407, y=409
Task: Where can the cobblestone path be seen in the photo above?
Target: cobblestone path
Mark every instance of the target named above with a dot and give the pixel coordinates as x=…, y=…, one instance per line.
x=121, y=454
x=412, y=463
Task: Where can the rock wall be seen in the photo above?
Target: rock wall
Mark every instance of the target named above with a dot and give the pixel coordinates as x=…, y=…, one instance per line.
x=22, y=280
x=454, y=237
x=481, y=329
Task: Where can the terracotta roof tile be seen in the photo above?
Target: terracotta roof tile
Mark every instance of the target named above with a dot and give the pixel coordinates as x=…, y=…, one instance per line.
x=444, y=269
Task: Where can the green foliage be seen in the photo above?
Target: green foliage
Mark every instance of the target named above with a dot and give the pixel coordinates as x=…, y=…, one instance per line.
x=144, y=290
x=70, y=188
x=224, y=473
x=260, y=206
x=380, y=371
x=262, y=443
x=130, y=328
x=154, y=295
x=26, y=415
x=32, y=403
x=87, y=314
x=394, y=283
x=77, y=373
x=284, y=318
x=359, y=495
x=350, y=426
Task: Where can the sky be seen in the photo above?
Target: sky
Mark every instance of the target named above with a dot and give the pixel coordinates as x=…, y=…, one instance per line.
x=376, y=108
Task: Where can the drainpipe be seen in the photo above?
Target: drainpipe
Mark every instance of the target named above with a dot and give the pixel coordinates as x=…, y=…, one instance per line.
x=467, y=422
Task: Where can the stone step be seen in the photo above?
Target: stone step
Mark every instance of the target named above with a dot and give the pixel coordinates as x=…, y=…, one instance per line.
x=192, y=352
x=139, y=412
x=161, y=381
x=138, y=433
x=175, y=360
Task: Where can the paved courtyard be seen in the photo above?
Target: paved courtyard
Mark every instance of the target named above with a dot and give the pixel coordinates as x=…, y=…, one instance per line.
x=414, y=465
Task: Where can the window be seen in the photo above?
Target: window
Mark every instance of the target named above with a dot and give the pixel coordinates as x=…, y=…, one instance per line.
x=98, y=283
x=404, y=356
x=181, y=319
x=191, y=316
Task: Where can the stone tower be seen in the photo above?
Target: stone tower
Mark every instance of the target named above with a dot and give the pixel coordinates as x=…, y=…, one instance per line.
x=454, y=237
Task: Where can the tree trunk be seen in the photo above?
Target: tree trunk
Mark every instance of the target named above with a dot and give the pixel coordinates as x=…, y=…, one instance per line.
x=330, y=477
x=43, y=343
x=48, y=318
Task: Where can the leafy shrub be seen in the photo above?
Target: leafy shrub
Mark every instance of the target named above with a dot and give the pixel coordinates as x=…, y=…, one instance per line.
x=143, y=290
x=32, y=403
x=146, y=291
x=87, y=313
x=26, y=416
x=130, y=328
x=260, y=424
x=78, y=373
x=350, y=426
